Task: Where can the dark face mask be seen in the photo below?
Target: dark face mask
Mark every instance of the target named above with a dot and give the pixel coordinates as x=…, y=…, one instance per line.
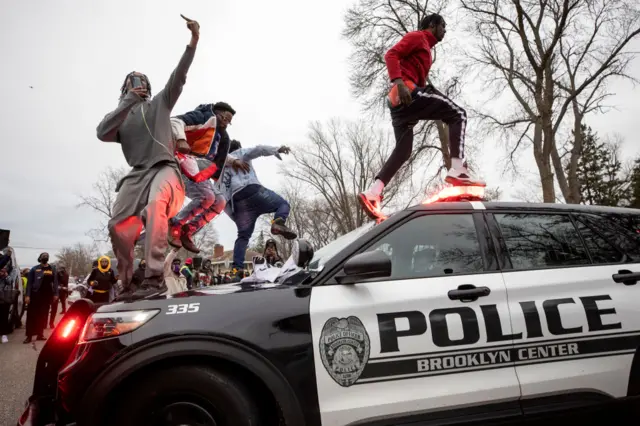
x=44, y=259
x=175, y=268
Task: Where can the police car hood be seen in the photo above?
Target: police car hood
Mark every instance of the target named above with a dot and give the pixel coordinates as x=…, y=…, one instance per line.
x=264, y=277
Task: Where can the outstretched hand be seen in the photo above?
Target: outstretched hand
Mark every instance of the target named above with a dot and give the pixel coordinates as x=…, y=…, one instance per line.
x=193, y=26
x=284, y=150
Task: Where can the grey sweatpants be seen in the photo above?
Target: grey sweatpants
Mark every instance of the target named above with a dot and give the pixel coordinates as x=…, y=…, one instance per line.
x=166, y=195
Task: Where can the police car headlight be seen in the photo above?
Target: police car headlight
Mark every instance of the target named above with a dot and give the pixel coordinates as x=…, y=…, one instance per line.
x=111, y=324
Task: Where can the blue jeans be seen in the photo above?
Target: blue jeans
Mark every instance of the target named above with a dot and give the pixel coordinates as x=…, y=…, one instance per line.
x=245, y=214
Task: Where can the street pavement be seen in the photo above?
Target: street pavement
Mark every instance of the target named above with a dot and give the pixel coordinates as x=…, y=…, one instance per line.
x=17, y=367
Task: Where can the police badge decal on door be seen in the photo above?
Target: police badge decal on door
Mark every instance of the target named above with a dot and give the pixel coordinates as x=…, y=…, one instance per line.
x=344, y=349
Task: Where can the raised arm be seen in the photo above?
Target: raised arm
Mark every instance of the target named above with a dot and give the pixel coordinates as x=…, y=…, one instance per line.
x=178, y=77
x=262, y=151
x=107, y=130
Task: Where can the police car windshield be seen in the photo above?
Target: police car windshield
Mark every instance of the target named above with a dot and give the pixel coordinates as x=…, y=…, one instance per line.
x=322, y=256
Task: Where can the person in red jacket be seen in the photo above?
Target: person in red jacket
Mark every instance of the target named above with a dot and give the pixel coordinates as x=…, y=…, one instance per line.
x=410, y=100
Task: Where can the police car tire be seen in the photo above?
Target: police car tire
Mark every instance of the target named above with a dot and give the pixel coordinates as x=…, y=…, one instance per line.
x=229, y=396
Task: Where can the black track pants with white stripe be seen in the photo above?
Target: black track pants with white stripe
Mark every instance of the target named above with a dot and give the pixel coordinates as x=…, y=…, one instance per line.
x=428, y=104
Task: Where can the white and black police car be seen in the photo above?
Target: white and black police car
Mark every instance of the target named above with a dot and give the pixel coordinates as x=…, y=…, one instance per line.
x=452, y=311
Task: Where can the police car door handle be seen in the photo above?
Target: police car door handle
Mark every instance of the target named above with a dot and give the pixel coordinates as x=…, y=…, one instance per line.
x=626, y=277
x=468, y=293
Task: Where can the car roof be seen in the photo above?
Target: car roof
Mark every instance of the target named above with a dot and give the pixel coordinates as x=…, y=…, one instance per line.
x=508, y=205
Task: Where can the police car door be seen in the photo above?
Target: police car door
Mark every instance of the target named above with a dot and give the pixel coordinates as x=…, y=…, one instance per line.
x=411, y=343
x=576, y=328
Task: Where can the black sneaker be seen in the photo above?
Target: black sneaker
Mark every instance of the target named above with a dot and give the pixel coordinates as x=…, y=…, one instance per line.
x=27, y=340
x=185, y=239
x=279, y=228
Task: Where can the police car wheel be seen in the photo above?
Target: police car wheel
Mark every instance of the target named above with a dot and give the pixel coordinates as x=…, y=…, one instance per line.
x=188, y=395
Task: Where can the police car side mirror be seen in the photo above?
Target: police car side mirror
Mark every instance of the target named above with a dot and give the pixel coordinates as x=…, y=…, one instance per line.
x=302, y=252
x=364, y=266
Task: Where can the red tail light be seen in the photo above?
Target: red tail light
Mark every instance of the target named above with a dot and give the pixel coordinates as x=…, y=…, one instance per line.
x=69, y=329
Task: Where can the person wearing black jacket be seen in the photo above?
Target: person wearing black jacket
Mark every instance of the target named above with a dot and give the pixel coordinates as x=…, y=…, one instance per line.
x=63, y=292
x=271, y=253
x=42, y=289
x=138, y=275
x=101, y=280
x=204, y=132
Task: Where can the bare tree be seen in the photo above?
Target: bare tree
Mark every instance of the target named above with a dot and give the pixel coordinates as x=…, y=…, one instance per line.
x=101, y=200
x=340, y=160
x=373, y=27
x=78, y=258
x=205, y=239
x=554, y=58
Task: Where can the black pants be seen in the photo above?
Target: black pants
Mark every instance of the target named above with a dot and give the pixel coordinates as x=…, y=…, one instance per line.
x=428, y=104
x=54, y=308
x=99, y=298
x=37, y=313
x=5, y=327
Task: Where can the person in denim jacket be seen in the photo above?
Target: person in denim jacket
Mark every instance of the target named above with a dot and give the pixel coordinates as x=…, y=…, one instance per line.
x=249, y=200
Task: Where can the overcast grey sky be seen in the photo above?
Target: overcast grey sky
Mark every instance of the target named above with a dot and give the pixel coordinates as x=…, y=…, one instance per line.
x=280, y=64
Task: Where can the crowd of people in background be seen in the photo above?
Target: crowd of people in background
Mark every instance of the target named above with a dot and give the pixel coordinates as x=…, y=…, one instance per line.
x=42, y=291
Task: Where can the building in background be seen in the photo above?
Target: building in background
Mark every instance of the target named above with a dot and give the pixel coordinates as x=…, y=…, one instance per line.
x=222, y=260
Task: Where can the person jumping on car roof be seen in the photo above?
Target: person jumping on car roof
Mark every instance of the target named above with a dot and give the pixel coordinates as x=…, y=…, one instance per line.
x=412, y=99
x=202, y=133
x=153, y=191
x=249, y=200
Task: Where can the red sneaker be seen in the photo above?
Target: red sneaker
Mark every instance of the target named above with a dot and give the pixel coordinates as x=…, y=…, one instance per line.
x=371, y=204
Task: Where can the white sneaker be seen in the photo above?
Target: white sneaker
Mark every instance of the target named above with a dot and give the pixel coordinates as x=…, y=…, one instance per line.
x=5, y=339
x=461, y=177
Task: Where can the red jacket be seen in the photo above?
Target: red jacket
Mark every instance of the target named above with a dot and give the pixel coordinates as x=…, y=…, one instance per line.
x=410, y=59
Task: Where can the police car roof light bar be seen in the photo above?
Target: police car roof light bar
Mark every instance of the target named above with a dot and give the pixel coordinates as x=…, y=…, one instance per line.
x=457, y=193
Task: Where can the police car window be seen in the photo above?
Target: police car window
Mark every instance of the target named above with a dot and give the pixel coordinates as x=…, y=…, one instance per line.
x=432, y=245
x=600, y=249
x=541, y=240
x=623, y=231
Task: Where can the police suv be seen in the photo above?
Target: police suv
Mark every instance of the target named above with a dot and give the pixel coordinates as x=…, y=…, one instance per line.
x=452, y=311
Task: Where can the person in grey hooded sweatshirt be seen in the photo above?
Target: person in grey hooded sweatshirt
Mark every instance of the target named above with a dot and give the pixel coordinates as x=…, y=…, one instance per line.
x=248, y=200
x=153, y=191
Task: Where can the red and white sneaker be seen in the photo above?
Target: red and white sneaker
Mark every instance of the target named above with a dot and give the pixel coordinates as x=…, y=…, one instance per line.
x=371, y=204
x=462, y=177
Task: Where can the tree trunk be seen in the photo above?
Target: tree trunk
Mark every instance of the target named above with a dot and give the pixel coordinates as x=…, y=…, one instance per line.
x=543, y=161
x=443, y=135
